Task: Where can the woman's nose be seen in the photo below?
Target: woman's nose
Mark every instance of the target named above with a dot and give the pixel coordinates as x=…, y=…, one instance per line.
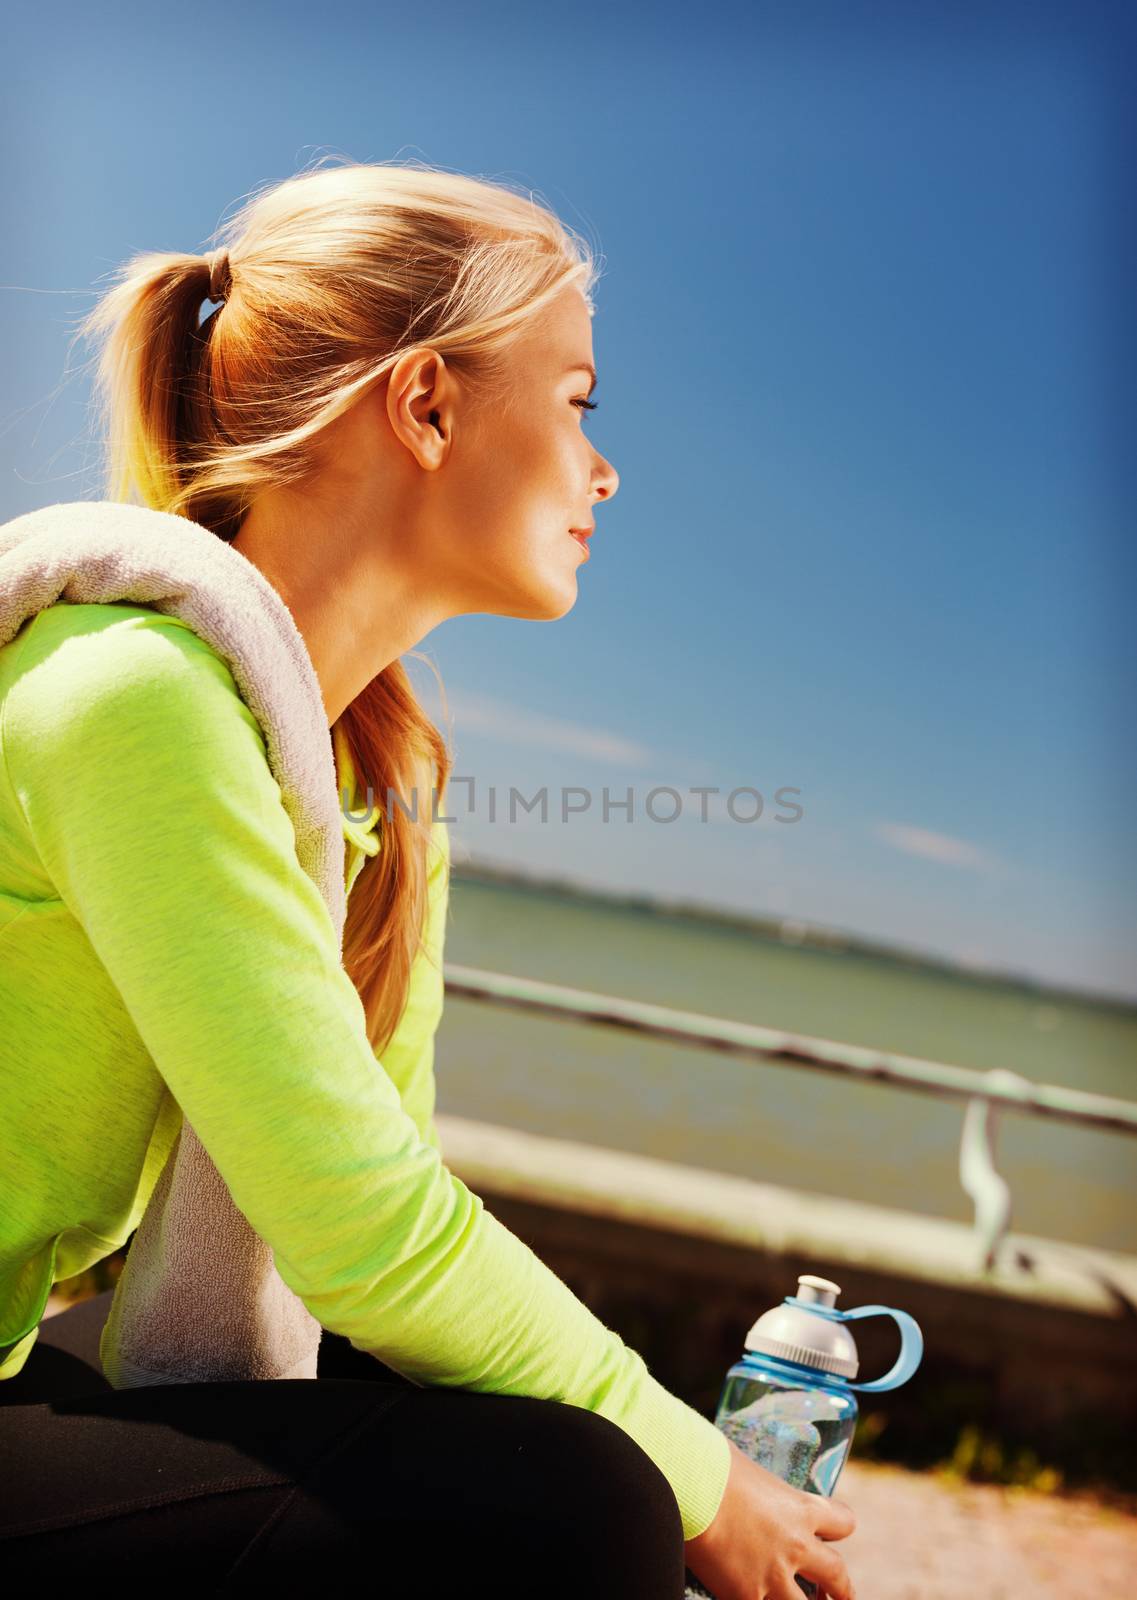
x=606, y=480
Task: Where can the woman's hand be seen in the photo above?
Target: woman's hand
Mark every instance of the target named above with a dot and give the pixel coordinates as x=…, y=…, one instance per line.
x=764, y=1532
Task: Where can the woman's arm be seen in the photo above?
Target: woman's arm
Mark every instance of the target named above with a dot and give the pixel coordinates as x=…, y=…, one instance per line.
x=146, y=789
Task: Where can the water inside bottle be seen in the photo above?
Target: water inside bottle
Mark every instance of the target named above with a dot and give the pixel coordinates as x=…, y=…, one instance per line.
x=802, y=1435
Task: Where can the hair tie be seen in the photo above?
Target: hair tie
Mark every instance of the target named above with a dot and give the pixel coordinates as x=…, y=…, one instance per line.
x=220, y=276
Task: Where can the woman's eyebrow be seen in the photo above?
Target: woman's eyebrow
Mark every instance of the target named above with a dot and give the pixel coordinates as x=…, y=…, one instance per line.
x=583, y=366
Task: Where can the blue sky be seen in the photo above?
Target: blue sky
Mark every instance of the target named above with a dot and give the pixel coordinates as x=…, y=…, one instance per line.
x=861, y=338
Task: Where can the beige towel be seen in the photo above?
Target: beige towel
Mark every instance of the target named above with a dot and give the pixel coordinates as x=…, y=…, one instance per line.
x=199, y=1298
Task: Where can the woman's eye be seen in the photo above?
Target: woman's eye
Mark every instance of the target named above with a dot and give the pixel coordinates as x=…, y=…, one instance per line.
x=586, y=405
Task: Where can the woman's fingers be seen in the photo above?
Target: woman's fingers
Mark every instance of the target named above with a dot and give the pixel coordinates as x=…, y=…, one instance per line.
x=829, y=1572
x=835, y=1519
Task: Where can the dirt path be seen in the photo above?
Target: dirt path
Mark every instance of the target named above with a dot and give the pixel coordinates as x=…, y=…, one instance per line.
x=923, y=1537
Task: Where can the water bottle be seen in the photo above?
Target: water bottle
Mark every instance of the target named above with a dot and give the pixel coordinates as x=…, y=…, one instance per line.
x=788, y=1402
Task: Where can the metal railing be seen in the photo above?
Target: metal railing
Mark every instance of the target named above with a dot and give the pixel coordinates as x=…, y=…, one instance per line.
x=987, y=1094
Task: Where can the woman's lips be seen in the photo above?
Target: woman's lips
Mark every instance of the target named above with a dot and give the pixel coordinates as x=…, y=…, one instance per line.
x=582, y=535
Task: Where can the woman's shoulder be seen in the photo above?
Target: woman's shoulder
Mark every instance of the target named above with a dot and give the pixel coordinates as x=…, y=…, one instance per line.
x=74, y=669
x=119, y=628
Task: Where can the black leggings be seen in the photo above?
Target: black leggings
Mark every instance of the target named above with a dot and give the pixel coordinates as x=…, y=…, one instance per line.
x=360, y=1474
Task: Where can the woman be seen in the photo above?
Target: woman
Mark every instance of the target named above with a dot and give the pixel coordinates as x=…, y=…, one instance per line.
x=383, y=416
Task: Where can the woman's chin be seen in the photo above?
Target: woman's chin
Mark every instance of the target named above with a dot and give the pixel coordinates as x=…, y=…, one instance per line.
x=564, y=604
x=553, y=600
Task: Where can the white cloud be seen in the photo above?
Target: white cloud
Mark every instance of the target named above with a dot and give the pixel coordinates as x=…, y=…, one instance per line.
x=480, y=713
x=941, y=847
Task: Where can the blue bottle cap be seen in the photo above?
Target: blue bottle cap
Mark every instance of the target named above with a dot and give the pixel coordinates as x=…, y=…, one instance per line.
x=793, y=1332
x=809, y=1329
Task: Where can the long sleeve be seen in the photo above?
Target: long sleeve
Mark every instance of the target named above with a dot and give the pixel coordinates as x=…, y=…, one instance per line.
x=145, y=786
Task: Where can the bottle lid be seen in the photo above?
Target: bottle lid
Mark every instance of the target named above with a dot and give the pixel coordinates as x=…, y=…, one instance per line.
x=795, y=1333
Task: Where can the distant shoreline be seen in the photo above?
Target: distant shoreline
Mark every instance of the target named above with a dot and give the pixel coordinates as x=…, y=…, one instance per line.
x=785, y=931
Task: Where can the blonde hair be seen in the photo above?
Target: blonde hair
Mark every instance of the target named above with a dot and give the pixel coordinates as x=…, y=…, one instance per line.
x=334, y=274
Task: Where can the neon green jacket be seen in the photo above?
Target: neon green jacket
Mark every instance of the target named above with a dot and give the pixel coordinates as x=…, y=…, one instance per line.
x=161, y=949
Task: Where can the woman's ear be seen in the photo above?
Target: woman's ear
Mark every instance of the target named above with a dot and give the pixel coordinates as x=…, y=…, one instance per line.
x=420, y=391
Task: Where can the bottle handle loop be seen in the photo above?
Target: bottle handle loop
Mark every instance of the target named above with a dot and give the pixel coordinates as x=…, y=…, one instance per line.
x=911, y=1340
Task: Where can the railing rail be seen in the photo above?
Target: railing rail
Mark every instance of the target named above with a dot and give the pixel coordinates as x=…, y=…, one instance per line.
x=986, y=1094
